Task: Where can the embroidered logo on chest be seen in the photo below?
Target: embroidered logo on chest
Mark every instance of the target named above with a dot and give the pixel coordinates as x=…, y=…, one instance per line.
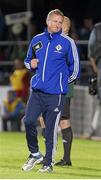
x=58, y=47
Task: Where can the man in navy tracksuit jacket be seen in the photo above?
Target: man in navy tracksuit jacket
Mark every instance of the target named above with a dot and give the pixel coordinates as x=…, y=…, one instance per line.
x=48, y=55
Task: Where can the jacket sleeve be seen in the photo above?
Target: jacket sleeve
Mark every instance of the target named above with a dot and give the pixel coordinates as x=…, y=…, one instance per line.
x=29, y=57
x=74, y=62
x=91, y=44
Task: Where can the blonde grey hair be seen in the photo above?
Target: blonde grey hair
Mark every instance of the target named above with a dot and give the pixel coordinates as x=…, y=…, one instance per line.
x=55, y=11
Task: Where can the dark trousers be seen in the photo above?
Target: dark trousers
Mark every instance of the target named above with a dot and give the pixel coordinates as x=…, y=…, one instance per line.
x=50, y=106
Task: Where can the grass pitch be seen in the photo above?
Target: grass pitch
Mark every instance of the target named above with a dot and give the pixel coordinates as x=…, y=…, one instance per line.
x=86, y=159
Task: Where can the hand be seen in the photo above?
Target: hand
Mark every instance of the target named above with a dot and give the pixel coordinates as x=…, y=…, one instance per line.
x=34, y=63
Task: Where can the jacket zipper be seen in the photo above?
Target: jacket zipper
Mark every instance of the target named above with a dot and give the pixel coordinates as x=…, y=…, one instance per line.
x=44, y=66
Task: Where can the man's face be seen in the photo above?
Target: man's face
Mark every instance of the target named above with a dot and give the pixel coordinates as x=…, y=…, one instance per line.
x=54, y=23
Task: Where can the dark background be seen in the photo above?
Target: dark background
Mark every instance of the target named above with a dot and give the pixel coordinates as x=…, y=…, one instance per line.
x=75, y=9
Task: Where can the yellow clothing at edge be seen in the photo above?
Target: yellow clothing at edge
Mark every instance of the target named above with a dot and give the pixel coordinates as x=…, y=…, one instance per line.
x=11, y=106
x=16, y=79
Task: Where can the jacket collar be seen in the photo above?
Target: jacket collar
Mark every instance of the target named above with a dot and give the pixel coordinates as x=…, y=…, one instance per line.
x=51, y=35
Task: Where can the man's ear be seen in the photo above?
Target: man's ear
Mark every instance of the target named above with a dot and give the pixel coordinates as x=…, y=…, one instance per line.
x=48, y=21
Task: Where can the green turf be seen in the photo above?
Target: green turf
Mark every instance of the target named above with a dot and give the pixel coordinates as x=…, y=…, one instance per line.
x=86, y=159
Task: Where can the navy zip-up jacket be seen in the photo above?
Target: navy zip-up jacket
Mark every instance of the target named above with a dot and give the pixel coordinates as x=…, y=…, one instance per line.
x=58, y=62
